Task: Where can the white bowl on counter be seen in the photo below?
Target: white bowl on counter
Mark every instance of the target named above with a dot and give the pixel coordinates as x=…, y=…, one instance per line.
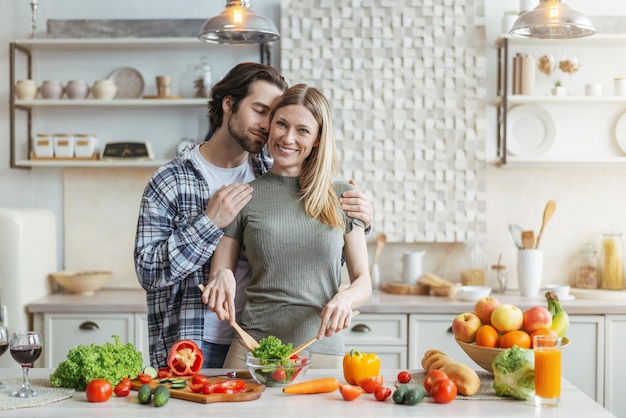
x=472, y=293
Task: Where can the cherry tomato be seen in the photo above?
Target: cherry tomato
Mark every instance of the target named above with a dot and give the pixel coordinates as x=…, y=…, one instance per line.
x=279, y=374
x=164, y=372
x=350, y=392
x=144, y=378
x=370, y=384
x=199, y=379
x=98, y=390
x=122, y=388
x=443, y=391
x=431, y=377
x=404, y=377
x=197, y=388
x=382, y=393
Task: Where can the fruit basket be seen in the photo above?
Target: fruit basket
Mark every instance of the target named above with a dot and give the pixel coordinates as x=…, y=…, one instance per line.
x=82, y=282
x=483, y=356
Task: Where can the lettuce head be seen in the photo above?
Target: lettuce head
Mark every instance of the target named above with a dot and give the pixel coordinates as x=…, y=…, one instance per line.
x=514, y=373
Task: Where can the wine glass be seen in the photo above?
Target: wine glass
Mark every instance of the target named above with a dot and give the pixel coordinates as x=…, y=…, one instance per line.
x=4, y=344
x=25, y=348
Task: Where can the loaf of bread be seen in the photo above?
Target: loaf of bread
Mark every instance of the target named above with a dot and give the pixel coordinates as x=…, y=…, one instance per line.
x=466, y=380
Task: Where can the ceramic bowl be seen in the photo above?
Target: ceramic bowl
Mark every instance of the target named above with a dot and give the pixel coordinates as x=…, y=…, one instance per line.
x=483, y=356
x=82, y=282
x=472, y=293
x=561, y=290
x=278, y=372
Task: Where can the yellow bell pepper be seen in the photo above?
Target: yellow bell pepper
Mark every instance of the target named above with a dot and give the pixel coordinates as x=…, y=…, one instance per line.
x=358, y=366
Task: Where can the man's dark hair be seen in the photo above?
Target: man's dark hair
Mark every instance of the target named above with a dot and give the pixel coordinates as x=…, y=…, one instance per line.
x=236, y=85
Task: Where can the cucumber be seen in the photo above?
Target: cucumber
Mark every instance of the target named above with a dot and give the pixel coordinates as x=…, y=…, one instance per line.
x=153, y=372
x=178, y=384
x=144, y=393
x=400, y=393
x=161, y=395
x=413, y=396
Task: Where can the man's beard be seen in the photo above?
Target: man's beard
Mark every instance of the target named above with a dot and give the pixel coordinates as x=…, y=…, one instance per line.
x=251, y=145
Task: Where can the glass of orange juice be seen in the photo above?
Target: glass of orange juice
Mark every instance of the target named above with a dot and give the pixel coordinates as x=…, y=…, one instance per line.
x=547, y=350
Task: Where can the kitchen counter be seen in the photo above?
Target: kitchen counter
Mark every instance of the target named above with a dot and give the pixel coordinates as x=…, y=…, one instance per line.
x=135, y=301
x=273, y=403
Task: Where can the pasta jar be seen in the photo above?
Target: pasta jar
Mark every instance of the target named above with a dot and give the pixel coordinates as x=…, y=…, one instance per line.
x=612, y=273
x=473, y=265
x=586, y=276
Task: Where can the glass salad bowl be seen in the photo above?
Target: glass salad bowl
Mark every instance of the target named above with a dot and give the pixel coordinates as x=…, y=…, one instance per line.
x=278, y=372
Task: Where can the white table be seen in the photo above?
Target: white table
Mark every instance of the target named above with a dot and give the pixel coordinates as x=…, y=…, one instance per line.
x=273, y=403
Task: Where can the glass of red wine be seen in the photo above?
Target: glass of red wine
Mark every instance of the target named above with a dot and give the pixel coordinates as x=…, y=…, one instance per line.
x=25, y=348
x=4, y=344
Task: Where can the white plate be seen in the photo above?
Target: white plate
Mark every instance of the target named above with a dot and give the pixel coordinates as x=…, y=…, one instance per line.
x=620, y=132
x=530, y=131
x=129, y=83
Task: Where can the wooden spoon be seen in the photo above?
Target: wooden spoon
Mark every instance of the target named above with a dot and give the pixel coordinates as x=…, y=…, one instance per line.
x=547, y=214
x=528, y=240
x=312, y=340
x=248, y=340
x=380, y=244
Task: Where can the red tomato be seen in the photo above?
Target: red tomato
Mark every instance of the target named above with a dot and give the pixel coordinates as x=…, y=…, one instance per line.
x=122, y=388
x=404, y=377
x=443, y=391
x=279, y=374
x=199, y=379
x=98, y=390
x=350, y=392
x=185, y=358
x=382, y=393
x=197, y=388
x=370, y=384
x=431, y=377
x=230, y=386
x=164, y=372
x=144, y=378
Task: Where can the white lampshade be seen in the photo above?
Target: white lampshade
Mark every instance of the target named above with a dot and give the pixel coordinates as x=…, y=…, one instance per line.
x=238, y=24
x=552, y=19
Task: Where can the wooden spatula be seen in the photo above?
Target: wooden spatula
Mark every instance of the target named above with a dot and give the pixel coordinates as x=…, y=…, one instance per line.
x=528, y=240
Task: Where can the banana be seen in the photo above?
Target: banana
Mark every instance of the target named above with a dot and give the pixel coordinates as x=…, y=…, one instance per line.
x=560, y=318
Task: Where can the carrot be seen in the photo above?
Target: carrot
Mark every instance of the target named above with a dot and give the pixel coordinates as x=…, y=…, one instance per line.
x=324, y=385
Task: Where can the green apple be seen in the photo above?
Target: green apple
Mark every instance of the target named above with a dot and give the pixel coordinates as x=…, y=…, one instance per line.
x=507, y=317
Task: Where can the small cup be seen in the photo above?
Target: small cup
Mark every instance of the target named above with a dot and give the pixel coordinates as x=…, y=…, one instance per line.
x=530, y=271
x=593, y=89
x=547, y=352
x=26, y=89
x=164, y=85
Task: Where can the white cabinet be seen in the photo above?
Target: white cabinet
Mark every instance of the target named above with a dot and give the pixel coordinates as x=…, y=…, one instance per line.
x=615, y=365
x=62, y=332
x=583, y=359
x=430, y=331
x=576, y=129
x=135, y=116
x=383, y=334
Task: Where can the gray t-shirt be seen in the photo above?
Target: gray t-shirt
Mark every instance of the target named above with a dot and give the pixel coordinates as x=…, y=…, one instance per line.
x=295, y=264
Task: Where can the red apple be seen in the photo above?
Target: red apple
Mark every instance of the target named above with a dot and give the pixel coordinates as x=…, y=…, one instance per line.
x=537, y=317
x=484, y=307
x=465, y=327
x=507, y=317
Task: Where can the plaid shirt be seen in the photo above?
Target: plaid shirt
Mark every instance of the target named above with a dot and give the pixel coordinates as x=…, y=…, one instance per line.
x=173, y=246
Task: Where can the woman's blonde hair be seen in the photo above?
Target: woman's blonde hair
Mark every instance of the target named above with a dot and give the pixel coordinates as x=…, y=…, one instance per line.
x=320, y=168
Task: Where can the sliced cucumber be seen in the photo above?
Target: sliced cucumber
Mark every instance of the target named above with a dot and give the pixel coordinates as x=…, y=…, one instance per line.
x=153, y=372
x=178, y=385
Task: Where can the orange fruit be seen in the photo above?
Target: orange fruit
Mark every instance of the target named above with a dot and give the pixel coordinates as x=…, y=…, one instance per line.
x=487, y=336
x=542, y=331
x=516, y=337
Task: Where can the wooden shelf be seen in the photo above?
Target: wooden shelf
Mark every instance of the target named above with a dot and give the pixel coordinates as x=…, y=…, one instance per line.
x=146, y=103
x=83, y=163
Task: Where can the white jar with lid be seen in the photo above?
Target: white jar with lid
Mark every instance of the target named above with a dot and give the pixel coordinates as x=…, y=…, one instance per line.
x=64, y=146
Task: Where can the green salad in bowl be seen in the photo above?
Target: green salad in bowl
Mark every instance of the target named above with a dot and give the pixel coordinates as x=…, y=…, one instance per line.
x=271, y=365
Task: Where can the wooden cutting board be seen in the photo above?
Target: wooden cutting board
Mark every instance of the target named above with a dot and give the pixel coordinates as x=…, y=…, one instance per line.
x=399, y=288
x=253, y=391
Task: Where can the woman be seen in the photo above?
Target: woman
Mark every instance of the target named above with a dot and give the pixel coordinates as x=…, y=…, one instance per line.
x=293, y=233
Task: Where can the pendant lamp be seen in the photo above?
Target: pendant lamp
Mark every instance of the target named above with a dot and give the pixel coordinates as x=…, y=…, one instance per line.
x=552, y=19
x=238, y=24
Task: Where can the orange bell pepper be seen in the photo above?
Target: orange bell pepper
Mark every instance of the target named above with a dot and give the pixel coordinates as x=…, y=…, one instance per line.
x=357, y=366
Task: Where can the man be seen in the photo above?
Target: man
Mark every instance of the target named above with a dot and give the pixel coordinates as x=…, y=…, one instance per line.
x=189, y=200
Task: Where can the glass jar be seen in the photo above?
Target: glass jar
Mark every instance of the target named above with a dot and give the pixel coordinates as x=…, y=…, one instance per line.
x=586, y=276
x=203, y=80
x=500, y=273
x=473, y=265
x=612, y=274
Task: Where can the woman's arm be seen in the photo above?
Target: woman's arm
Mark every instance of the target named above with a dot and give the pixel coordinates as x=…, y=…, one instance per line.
x=338, y=313
x=219, y=293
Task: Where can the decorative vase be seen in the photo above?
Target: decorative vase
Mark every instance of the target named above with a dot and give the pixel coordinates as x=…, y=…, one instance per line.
x=104, y=90
x=77, y=89
x=26, y=89
x=51, y=89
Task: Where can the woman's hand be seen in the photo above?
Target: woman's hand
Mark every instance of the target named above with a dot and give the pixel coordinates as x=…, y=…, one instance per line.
x=336, y=315
x=357, y=205
x=219, y=294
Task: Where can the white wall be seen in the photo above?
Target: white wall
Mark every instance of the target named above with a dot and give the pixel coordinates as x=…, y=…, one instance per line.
x=588, y=200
